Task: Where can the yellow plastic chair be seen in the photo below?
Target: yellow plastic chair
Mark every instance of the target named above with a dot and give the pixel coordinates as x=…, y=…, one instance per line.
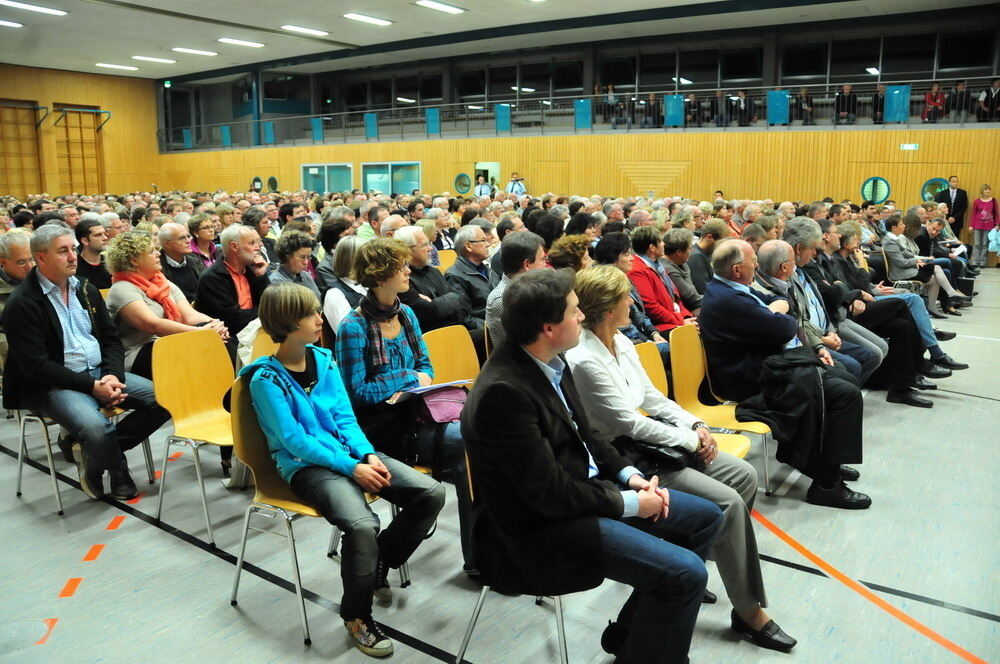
x=447, y=257
x=687, y=360
x=104, y=293
x=452, y=354
x=262, y=345
x=191, y=375
x=652, y=363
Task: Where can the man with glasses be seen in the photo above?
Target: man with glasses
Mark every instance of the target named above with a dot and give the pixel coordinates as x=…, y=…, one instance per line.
x=180, y=266
x=16, y=262
x=470, y=274
x=230, y=289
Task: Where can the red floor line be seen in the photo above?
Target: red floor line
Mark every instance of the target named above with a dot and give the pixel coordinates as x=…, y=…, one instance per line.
x=93, y=553
x=70, y=588
x=115, y=522
x=51, y=624
x=835, y=573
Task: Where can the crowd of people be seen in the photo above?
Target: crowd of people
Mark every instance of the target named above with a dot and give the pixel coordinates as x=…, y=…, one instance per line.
x=582, y=469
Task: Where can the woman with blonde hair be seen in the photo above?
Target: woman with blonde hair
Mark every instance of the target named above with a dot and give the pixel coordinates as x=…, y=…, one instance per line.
x=571, y=251
x=663, y=439
x=144, y=304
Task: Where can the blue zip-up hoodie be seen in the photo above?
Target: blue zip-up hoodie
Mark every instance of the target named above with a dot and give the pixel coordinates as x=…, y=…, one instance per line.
x=316, y=429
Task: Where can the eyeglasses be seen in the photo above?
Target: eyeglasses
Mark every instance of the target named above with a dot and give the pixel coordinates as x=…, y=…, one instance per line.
x=475, y=241
x=25, y=262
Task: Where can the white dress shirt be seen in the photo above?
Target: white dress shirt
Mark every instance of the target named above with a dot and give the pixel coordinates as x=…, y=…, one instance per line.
x=613, y=389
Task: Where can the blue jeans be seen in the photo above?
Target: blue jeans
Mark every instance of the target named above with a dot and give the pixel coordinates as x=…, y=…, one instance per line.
x=448, y=462
x=860, y=361
x=918, y=309
x=663, y=561
x=104, y=441
x=342, y=501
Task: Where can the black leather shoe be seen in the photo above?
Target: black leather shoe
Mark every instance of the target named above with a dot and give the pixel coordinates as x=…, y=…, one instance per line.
x=613, y=638
x=66, y=445
x=709, y=597
x=922, y=383
x=952, y=311
x=769, y=636
x=837, y=496
x=908, y=397
x=947, y=362
x=941, y=335
x=122, y=486
x=931, y=370
x=849, y=474
x=935, y=314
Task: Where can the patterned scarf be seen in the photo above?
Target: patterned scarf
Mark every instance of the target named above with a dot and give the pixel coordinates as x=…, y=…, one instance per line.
x=375, y=312
x=156, y=289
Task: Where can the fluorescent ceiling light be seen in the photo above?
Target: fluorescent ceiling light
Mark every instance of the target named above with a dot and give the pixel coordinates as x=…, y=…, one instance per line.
x=872, y=70
x=305, y=31
x=683, y=80
x=193, y=51
x=546, y=102
x=406, y=100
x=475, y=108
x=125, y=67
x=514, y=88
x=240, y=42
x=440, y=6
x=148, y=59
x=11, y=24
x=368, y=19
x=32, y=8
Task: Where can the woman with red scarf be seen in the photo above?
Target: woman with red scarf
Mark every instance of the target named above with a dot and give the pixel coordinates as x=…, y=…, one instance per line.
x=144, y=304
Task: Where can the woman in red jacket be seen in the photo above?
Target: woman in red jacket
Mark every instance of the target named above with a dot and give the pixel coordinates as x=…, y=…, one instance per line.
x=933, y=104
x=659, y=295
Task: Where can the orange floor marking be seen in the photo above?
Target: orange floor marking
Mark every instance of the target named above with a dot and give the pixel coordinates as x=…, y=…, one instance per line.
x=93, y=553
x=135, y=501
x=158, y=473
x=70, y=587
x=834, y=573
x=175, y=456
x=114, y=523
x=51, y=624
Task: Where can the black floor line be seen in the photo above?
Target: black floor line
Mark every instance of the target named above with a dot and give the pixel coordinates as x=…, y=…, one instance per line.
x=966, y=394
x=315, y=598
x=413, y=642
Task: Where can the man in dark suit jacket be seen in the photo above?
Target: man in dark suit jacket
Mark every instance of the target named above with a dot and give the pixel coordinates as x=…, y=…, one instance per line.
x=740, y=330
x=556, y=509
x=957, y=201
x=470, y=275
x=230, y=289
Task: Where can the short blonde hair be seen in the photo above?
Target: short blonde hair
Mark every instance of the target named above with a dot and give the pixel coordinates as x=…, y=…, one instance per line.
x=282, y=306
x=982, y=189
x=600, y=288
x=125, y=247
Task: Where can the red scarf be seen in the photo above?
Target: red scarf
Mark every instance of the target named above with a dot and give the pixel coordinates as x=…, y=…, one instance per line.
x=156, y=289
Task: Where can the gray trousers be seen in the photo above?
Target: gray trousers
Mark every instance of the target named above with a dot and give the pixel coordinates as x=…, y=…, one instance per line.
x=980, y=247
x=730, y=483
x=858, y=334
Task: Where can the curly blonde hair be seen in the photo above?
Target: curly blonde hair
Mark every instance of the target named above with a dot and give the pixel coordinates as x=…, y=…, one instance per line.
x=125, y=247
x=377, y=260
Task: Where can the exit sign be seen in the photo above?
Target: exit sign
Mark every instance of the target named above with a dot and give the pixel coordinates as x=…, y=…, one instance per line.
x=909, y=146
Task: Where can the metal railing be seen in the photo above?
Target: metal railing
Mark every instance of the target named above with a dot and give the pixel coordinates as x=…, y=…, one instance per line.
x=626, y=111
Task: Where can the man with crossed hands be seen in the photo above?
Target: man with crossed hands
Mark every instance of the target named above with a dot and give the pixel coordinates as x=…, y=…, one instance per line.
x=557, y=510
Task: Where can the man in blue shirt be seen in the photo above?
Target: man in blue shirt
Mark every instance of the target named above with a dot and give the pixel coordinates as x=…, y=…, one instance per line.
x=66, y=361
x=559, y=511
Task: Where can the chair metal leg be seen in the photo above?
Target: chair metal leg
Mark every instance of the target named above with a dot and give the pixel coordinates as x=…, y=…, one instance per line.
x=52, y=467
x=298, y=580
x=334, y=543
x=538, y=600
x=163, y=476
x=561, y=631
x=472, y=625
x=204, y=498
x=22, y=454
x=767, y=470
x=404, y=569
x=243, y=549
x=147, y=453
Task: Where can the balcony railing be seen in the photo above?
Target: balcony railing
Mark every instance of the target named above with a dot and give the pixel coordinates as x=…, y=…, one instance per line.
x=537, y=115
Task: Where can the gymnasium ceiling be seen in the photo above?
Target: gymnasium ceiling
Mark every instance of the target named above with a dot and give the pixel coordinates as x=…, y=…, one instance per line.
x=113, y=31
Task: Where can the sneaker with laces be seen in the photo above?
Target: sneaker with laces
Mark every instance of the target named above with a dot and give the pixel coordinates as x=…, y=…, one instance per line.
x=368, y=637
x=91, y=477
x=383, y=593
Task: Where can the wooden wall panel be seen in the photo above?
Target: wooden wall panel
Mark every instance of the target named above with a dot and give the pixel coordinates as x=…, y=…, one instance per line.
x=799, y=165
x=128, y=140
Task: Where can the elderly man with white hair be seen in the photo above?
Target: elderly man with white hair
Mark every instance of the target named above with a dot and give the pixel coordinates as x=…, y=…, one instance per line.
x=636, y=219
x=470, y=274
x=180, y=266
x=391, y=224
x=786, y=209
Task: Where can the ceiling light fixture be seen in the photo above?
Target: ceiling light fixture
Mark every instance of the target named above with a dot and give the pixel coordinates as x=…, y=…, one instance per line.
x=193, y=51
x=683, y=81
x=475, y=108
x=110, y=66
x=514, y=88
x=32, y=8
x=872, y=70
x=440, y=6
x=406, y=100
x=305, y=31
x=11, y=24
x=240, y=42
x=368, y=19
x=145, y=58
